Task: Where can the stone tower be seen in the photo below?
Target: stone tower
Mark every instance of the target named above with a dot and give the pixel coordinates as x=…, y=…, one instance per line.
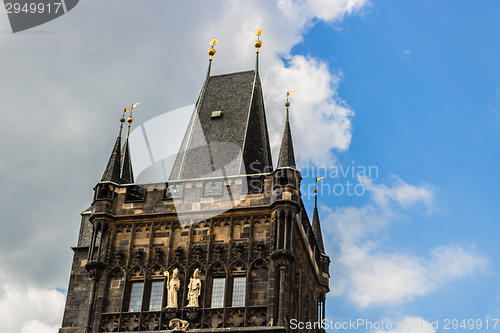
x=225, y=244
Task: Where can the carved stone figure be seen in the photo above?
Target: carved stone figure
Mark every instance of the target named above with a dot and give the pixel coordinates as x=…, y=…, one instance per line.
x=178, y=324
x=194, y=289
x=173, y=285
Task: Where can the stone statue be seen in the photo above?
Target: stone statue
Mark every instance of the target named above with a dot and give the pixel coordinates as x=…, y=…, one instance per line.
x=178, y=324
x=194, y=289
x=173, y=285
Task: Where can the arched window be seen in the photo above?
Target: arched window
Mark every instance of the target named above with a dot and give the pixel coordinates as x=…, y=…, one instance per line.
x=218, y=285
x=239, y=284
x=155, y=289
x=135, y=290
x=218, y=289
x=239, y=291
x=156, y=295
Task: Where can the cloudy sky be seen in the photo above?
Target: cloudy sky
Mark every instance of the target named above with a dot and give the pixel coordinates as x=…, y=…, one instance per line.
x=397, y=103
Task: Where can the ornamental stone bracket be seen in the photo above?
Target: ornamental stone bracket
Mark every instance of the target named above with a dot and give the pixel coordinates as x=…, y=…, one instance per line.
x=95, y=269
x=192, y=313
x=282, y=257
x=170, y=313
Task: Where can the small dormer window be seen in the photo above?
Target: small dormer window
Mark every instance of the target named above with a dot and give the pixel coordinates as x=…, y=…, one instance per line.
x=135, y=193
x=217, y=114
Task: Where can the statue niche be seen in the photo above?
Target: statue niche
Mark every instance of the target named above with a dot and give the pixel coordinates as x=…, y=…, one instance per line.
x=194, y=289
x=173, y=285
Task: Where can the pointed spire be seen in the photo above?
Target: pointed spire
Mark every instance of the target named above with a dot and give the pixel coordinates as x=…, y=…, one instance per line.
x=112, y=171
x=286, y=157
x=258, y=45
x=315, y=222
x=211, y=53
x=126, y=173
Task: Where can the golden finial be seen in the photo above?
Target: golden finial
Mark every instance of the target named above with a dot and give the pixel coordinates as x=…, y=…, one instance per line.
x=130, y=119
x=288, y=93
x=258, y=42
x=132, y=108
x=211, y=53
x=211, y=50
x=316, y=187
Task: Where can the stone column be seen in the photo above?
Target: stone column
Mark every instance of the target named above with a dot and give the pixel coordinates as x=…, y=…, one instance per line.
x=95, y=269
x=282, y=296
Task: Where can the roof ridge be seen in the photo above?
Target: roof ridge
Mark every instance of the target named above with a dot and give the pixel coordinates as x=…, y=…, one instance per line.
x=227, y=74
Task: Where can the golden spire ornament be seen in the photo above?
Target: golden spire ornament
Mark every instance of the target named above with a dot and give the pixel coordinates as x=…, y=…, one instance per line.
x=130, y=119
x=258, y=45
x=211, y=50
x=287, y=103
x=211, y=53
x=258, y=42
x=316, y=191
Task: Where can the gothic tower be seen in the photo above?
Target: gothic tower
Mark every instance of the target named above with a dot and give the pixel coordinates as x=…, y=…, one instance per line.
x=225, y=244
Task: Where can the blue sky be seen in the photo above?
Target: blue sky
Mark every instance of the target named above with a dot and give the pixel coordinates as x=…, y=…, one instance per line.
x=423, y=79
x=409, y=87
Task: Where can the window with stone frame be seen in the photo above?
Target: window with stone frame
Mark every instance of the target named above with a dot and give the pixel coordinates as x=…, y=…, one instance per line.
x=218, y=288
x=239, y=291
x=156, y=295
x=135, y=300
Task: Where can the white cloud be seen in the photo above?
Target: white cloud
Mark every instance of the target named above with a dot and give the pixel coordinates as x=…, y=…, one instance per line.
x=326, y=10
x=370, y=275
x=27, y=309
x=61, y=104
x=401, y=193
x=36, y=326
x=315, y=109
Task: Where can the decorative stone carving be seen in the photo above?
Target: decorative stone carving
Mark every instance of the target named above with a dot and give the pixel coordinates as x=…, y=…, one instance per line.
x=236, y=318
x=151, y=322
x=168, y=314
x=219, y=249
x=95, y=269
x=239, y=249
x=139, y=255
x=178, y=254
x=214, y=319
x=198, y=252
x=192, y=314
x=173, y=285
x=158, y=255
x=194, y=289
x=130, y=322
x=257, y=317
x=110, y=323
x=261, y=246
x=178, y=324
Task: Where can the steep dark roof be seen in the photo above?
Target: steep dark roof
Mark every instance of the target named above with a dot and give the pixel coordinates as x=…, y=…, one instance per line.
x=317, y=227
x=112, y=171
x=126, y=173
x=229, y=143
x=286, y=157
